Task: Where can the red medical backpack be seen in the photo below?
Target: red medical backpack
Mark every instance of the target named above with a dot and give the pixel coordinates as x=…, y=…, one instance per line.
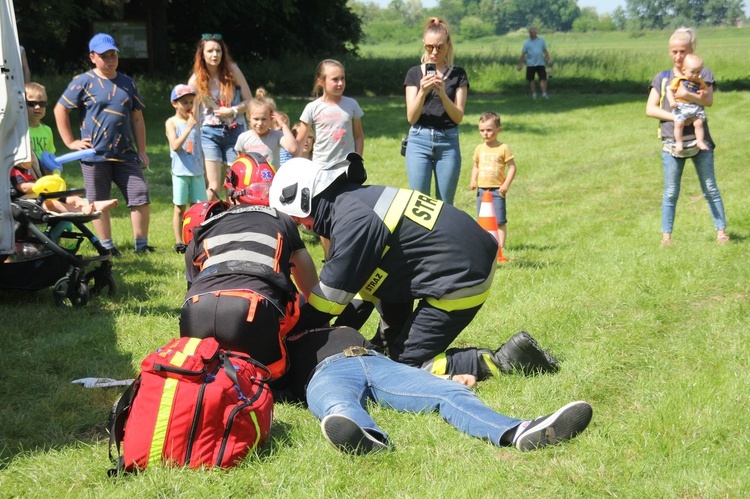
x=193, y=405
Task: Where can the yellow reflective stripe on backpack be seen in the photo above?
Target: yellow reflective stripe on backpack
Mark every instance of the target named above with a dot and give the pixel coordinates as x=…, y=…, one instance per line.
x=189, y=349
x=162, y=420
x=258, y=431
x=167, y=401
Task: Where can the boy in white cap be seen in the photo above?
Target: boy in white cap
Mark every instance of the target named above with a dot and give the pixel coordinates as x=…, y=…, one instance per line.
x=188, y=184
x=112, y=123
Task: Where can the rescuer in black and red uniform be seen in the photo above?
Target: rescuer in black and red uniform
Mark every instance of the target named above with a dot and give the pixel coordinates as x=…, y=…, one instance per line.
x=394, y=247
x=239, y=262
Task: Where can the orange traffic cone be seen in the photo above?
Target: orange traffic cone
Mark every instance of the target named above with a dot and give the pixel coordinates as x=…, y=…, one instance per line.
x=488, y=222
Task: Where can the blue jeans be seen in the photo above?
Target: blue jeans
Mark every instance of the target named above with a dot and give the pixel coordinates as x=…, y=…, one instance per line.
x=218, y=143
x=433, y=152
x=342, y=385
x=498, y=204
x=704, y=166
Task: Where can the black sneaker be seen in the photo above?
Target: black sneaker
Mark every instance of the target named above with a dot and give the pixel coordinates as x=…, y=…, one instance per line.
x=560, y=426
x=144, y=250
x=347, y=436
x=114, y=252
x=180, y=247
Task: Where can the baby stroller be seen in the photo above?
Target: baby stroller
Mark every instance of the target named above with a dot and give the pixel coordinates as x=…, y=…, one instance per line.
x=48, y=257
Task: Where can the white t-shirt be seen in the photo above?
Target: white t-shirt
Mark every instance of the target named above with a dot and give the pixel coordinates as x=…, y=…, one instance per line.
x=332, y=125
x=268, y=145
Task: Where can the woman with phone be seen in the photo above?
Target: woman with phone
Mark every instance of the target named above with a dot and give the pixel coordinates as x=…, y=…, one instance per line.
x=436, y=93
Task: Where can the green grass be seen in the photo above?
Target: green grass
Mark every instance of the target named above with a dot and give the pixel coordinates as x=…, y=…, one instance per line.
x=587, y=62
x=654, y=338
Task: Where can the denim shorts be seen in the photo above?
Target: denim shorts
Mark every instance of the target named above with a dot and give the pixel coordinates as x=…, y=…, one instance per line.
x=498, y=204
x=218, y=142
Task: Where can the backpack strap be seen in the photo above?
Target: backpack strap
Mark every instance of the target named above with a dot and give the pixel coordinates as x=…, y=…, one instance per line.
x=226, y=362
x=118, y=416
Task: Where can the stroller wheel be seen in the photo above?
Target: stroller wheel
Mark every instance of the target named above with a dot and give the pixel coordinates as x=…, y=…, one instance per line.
x=70, y=296
x=101, y=282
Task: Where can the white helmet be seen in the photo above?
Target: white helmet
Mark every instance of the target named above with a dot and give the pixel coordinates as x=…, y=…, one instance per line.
x=298, y=181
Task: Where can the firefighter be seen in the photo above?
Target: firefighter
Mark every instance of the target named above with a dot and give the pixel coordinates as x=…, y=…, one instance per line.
x=394, y=247
x=239, y=262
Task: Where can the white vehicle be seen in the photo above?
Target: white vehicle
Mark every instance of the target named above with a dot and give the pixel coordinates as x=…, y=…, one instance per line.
x=14, y=123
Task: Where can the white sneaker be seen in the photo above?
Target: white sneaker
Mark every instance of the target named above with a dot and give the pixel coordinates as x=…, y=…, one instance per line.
x=560, y=426
x=545, y=96
x=533, y=96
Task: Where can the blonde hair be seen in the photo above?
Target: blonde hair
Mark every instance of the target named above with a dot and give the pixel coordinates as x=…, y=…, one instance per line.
x=35, y=88
x=437, y=25
x=320, y=74
x=693, y=59
x=686, y=35
x=261, y=100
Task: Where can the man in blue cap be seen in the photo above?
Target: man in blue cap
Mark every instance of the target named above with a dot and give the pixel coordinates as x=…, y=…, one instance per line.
x=112, y=123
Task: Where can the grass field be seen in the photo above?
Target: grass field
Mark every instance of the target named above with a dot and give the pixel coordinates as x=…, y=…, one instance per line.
x=654, y=338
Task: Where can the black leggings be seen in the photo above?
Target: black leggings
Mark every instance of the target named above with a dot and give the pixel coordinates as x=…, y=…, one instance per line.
x=225, y=318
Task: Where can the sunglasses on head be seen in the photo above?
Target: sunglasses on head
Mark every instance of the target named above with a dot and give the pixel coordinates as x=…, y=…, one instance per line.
x=35, y=103
x=431, y=48
x=211, y=36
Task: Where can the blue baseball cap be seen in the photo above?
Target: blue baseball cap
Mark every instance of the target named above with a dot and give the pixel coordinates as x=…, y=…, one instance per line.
x=101, y=43
x=181, y=90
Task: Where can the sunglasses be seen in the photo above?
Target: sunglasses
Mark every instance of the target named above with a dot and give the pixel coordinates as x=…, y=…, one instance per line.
x=431, y=48
x=211, y=36
x=35, y=103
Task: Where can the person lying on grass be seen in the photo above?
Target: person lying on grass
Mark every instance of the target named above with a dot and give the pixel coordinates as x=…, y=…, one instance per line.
x=336, y=370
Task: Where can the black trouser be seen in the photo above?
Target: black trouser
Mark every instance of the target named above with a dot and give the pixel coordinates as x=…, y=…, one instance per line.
x=414, y=337
x=226, y=319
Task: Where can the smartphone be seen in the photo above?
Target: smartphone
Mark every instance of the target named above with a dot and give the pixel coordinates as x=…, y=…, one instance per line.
x=430, y=68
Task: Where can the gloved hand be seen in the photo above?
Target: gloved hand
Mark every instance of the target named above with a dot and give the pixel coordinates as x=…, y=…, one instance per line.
x=101, y=382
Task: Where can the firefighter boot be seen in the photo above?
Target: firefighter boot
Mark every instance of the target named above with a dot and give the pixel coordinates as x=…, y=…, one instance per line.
x=521, y=353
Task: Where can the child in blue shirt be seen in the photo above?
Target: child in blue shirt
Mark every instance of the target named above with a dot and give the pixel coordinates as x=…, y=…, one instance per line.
x=188, y=182
x=112, y=123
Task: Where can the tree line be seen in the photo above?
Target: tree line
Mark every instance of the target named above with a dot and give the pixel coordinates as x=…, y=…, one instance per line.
x=477, y=18
x=55, y=33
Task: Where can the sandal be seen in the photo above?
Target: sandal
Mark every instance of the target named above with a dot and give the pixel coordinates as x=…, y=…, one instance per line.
x=666, y=242
x=723, y=239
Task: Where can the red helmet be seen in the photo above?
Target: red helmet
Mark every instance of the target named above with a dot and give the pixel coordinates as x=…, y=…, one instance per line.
x=249, y=178
x=197, y=214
